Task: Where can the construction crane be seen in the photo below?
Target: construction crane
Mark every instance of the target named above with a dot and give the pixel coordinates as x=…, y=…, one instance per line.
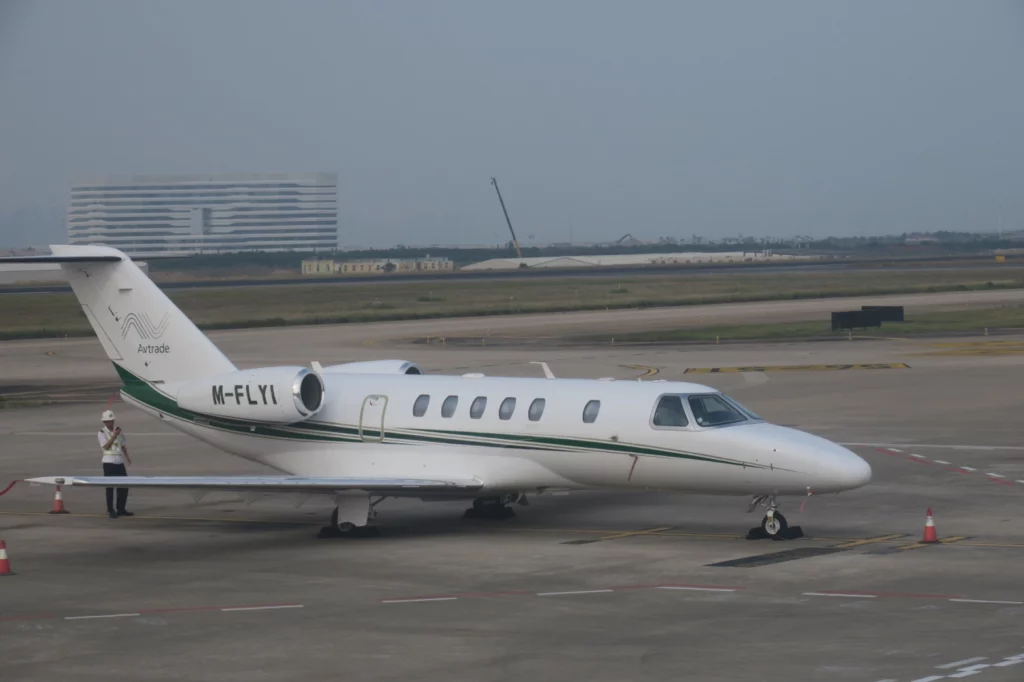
x=515, y=242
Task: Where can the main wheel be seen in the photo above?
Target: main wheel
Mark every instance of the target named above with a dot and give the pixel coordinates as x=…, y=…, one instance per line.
x=775, y=525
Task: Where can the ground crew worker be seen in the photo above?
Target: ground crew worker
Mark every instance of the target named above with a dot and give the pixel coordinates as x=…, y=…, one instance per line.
x=115, y=455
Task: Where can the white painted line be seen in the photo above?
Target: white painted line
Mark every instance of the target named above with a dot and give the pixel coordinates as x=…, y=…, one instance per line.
x=697, y=589
x=840, y=594
x=553, y=594
x=1021, y=482
x=409, y=601
x=888, y=679
x=1009, y=660
x=995, y=475
x=940, y=461
x=957, y=664
x=968, y=468
x=970, y=670
x=263, y=608
x=895, y=449
x=987, y=601
x=106, y=615
x=931, y=678
x=918, y=456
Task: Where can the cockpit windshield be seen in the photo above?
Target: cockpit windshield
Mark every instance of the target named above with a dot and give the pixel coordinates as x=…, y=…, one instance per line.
x=715, y=410
x=741, y=408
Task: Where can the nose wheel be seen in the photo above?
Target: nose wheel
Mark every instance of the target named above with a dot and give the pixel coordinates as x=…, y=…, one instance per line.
x=774, y=525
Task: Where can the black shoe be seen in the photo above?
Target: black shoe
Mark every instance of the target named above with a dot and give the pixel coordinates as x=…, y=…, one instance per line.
x=125, y=513
x=112, y=515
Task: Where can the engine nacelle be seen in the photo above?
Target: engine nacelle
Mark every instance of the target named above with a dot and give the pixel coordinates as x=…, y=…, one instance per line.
x=376, y=367
x=273, y=395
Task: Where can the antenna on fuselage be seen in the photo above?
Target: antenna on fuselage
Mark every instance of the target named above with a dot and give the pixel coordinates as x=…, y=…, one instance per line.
x=548, y=374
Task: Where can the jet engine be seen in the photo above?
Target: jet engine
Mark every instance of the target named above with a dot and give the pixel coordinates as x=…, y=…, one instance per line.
x=272, y=395
x=376, y=367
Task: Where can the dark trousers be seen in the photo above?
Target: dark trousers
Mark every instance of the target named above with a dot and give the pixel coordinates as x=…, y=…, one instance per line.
x=122, y=493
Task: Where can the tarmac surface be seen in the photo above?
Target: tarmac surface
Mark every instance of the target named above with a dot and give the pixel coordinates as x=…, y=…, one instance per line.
x=588, y=586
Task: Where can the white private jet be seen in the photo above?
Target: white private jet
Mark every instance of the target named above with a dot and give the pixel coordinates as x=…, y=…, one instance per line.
x=365, y=431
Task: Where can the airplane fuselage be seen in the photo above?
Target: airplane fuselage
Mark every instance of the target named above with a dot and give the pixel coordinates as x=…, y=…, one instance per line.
x=369, y=421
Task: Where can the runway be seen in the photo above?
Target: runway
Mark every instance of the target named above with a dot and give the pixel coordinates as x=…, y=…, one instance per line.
x=591, y=586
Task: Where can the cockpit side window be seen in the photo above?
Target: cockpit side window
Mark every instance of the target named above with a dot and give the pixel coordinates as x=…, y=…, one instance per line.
x=670, y=412
x=713, y=410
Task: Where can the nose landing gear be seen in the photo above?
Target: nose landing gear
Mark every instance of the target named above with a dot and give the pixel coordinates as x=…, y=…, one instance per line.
x=774, y=525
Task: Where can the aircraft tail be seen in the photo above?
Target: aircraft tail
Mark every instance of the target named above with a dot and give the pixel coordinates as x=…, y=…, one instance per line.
x=141, y=330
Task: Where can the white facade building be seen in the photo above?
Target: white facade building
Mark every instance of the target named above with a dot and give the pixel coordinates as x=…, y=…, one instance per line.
x=185, y=214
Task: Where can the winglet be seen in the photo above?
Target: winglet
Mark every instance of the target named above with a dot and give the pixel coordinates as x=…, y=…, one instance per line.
x=50, y=480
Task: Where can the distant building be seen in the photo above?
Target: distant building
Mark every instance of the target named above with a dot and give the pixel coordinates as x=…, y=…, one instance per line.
x=639, y=259
x=187, y=214
x=378, y=266
x=917, y=239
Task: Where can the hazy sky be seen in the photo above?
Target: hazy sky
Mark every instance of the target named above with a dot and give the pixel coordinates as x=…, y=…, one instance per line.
x=656, y=118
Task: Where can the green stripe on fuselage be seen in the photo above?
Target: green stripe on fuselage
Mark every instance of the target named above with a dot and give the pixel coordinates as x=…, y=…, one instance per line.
x=150, y=396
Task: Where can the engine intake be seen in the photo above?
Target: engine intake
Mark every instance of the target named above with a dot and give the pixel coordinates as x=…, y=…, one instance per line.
x=272, y=395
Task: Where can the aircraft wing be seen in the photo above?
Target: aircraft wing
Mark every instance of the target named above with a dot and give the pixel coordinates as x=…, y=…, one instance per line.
x=295, y=484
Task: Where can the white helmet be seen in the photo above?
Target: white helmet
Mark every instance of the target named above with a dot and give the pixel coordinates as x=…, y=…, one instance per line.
x=108, y=416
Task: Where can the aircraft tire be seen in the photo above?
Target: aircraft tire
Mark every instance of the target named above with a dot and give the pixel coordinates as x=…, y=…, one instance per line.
x=776, y=528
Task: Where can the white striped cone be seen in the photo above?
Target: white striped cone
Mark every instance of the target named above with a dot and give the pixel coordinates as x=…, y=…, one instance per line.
x=5, y=563
x=58, y=503
x=930, y=535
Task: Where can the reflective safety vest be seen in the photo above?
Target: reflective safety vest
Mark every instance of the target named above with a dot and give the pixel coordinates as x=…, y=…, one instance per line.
x=114, y=454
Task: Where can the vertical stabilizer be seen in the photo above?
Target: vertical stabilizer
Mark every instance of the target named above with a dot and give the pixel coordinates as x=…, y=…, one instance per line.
x=141, y=330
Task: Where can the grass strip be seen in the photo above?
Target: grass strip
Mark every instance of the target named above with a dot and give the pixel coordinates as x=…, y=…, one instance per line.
x=27, y=316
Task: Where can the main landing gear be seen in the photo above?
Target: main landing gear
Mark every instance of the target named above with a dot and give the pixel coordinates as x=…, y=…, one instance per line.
x=350, y=519
x=774, y=525
x=495, y=508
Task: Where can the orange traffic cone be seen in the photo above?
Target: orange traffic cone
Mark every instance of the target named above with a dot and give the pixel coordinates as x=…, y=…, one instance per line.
x=58, y=503
x=5, y=563
x=929, y=528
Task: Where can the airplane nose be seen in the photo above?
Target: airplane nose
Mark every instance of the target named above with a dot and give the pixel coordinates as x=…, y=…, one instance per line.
x=854, y=472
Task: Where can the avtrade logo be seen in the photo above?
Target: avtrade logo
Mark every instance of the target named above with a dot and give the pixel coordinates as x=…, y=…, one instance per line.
x=143, y=326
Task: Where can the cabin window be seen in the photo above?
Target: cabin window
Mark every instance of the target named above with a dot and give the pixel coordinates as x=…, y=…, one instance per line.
x=590, y=411
x=419, y=408
x=507, y=407
x=713, y=410
x=670, y=412
x=536, y=410
x=476, y=410
x=449, y=405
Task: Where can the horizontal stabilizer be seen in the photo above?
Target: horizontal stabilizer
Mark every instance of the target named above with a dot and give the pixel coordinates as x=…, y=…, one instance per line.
x=271, y=483
x=61, y=259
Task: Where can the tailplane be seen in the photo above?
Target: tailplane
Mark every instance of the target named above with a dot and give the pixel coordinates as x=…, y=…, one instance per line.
x=141, y=330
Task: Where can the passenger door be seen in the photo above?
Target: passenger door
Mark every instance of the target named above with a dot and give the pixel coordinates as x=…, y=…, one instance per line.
x=371, y=418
